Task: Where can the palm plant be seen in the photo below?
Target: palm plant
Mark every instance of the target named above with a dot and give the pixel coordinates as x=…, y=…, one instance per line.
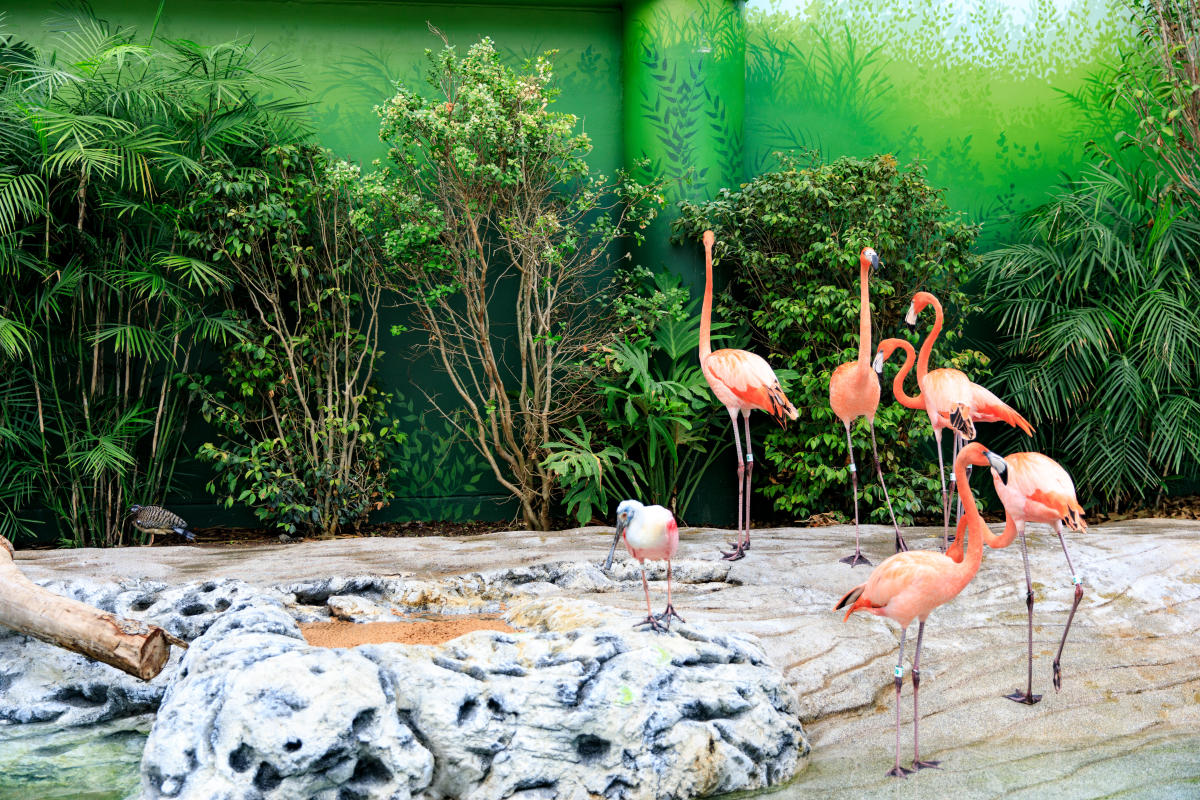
x=101, y=140
x=1097, y=304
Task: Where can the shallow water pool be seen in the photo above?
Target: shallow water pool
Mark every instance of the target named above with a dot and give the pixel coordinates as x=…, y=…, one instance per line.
x=95, y=762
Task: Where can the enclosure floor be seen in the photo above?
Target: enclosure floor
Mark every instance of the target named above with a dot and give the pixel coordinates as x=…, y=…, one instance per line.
x=1126, y=723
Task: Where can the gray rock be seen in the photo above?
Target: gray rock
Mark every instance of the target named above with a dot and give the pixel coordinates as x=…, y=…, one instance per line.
x=579, y=704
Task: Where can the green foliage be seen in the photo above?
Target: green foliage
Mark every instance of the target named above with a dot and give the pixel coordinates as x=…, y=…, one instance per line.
x=1097, y=304
x=490, y=196
x=792, y=238
x=102, y=137
x=306, y=436
x=657, y=426
x=434, y=467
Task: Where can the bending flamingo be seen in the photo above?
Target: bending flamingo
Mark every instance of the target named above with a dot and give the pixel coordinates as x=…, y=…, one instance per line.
x=953, y=401
x=742, y=382
x=854, y=393
x=1038, y=489
x=914, y=583
x=650, y=533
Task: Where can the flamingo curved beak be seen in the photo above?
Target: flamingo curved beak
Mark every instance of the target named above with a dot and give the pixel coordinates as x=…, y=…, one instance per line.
x=875, y=262
x=997, y=463
x=910, y=318
x=877, y=365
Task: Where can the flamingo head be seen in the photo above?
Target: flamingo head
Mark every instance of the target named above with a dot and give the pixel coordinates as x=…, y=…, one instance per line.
x=869, y=259
x=626, y=511
x=886, y=348
x=977, y=455
x=919, y=301
x=709, y=238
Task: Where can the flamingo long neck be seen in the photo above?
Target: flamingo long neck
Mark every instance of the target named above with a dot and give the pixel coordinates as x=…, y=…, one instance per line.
x=993, y=541
x=864, y=317
x=962, y=573
x=927, y=345
x=706, y=309
x=898, y=382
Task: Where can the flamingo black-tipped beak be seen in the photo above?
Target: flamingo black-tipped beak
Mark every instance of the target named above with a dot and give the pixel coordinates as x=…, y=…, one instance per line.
x=878, y=363
x=910, y=318
x=875, y=262
x=997, y=463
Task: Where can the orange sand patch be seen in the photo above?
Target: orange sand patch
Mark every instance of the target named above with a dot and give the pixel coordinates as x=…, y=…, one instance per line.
x=351, y=634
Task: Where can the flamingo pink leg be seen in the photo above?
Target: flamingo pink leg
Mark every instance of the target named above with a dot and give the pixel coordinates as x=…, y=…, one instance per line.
x=937, y=438
x=1027, y=697
x=738, y=551
x=858, y=557
x=749, y=472
x=1071, y=616
x=916, y=678
x=900, y=544
x=899, y=771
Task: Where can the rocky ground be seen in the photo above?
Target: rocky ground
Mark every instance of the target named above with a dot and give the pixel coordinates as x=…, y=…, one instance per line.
x=1127, y=722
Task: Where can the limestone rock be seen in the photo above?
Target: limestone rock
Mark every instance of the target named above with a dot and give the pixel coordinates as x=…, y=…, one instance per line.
x=580, y=705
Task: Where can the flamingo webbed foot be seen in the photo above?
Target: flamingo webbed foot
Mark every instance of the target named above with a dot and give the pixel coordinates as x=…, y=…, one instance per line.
x=653, y=623
x=855, y=560
x=736, y=554
x=1024, y=697
x=926, y=765
x=668, y=612
x=898, y=772
x=901, y=545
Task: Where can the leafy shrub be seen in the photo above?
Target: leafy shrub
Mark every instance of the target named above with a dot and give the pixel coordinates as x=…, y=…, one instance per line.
x=791, y=240
x=102, y=137
x=1098, y=303
x=657, y=429
x=490, y=196
x=306, y=432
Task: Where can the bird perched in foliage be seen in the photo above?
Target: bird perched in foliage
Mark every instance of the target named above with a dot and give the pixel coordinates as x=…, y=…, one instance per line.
x=156, y=520
x=914, y=583
x=650, y=532
x=1037, y=489
x=854, y=393
x=742, y=382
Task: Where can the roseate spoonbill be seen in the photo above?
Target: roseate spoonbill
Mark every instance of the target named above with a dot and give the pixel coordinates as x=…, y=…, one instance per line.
x=742, y=382
x=854, y=393
x=156, y=519
x=1038, y=490
x=953, y=401
x=914, y=583
x=650, y=532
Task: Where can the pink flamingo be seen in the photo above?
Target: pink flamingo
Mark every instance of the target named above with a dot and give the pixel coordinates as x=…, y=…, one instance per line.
x=1037, y=489
x=953, y=401
x=914, y=583
x=650, y=533
x=742, y=382
x=854, y=393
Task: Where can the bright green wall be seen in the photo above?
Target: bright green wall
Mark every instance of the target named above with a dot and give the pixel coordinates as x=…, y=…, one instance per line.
x=978, y=90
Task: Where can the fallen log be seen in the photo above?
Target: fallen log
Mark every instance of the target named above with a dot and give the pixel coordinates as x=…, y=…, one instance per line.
x=129, y=645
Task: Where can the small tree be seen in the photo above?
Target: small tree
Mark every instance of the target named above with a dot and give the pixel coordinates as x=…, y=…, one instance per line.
x=490, y=198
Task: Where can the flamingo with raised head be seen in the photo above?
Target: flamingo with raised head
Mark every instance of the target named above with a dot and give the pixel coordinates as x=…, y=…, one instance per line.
x=912, y=584
x=854, y=393
x=953, y=401
x=650, y=533
x=1038, y=489
x=742, y=382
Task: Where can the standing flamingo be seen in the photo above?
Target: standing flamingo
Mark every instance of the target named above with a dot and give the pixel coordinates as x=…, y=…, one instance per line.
x=742, y=382
x=1037, y=489
x=650, y=532
x=914, y=583
x=953, y=401
x=854, y=393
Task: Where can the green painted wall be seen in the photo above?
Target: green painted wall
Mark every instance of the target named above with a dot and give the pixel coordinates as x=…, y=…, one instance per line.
x=977, y=90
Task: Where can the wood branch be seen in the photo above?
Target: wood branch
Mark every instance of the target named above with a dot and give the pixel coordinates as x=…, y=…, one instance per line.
x=130, y=645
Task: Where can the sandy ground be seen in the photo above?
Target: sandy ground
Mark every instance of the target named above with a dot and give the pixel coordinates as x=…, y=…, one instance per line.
x=352, y=634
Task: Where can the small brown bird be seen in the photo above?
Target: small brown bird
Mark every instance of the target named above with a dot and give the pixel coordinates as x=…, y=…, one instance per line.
x=156, y=519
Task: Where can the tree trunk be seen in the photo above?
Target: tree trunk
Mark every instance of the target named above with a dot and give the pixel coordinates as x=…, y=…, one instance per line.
x=129, y=645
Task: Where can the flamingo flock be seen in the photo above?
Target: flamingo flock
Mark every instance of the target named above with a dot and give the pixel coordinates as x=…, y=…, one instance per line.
x=911, y=583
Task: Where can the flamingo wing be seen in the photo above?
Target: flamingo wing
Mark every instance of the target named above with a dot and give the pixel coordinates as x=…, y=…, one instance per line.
x=1044, y=482
x=899, y=574
x=986, y=407
x=950, y=391
x=750, y=380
